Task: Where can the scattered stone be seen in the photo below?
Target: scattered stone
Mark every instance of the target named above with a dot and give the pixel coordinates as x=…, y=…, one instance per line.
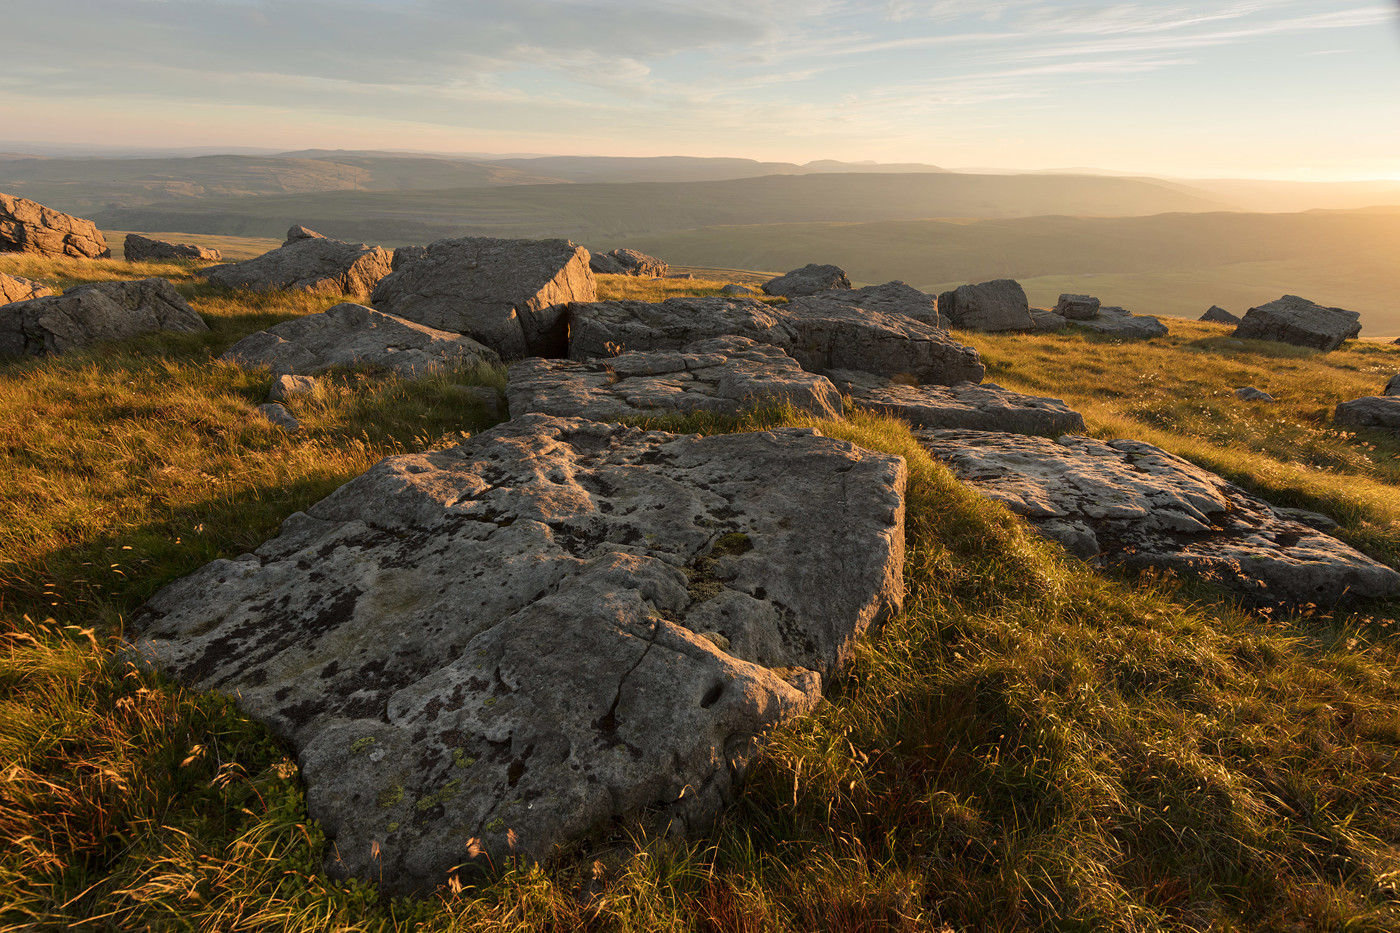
x=808, y=280
x=274, y=412
x=353, y=335
x=1043, y=321
x=86, y=314
x=1393, y=386
x=18, y=288
x=285, y=386
x=627, y=262
x=1118, y=322
x=890, y=298
x=1218, y=315
x=589, y=623
x=485, y=397
x=820, y=335
x=1078, y=307
x=1371, y=411
x=985, y=407
x=1251, y=394
x=1300, y=322
x=309, y=262
x=991, y=306
x=507, y=294
x=682, y=276
x=1131, y=504
x=29, y=227
x=725, y=375
x=735, y=290
x=138, y=248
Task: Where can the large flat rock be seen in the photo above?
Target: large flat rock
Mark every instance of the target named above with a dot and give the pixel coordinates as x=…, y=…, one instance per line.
x=353, y=335
x=1370, y=411
x=820, y=335
x=726, y=376
x=809, y=280
x=891, y=298
x=138, y=248
x=997, y=305
x=552, y=627
x=1119, y=322
x=86, y=314
x=985, y=407
x=29, y=227
x=506, y=294
x=309, y=262
x=1301, y=322
x=1131, y=504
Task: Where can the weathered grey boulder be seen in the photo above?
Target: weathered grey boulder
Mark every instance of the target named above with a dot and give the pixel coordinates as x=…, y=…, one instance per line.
x=1298, y=321
x=1251, y=394
x=626, y=262
x=991, y=306
x=1077, y=307
x=279, y=416
x=808, y=280
x=890, y=298
x=1218, y=315
x=733, y=289
x=1131, y=504
x=507, y=294
x=86, y=314
x=820, y=335
x=18, y=288
x=30, y=227
x=286, y=386
x=1119, y=322
x=310, y=262
x=1044, y=321
x=985, y=407
x=138, y=248
x=552, y=627
x=1392, y=387
x=353, y=335
x=725, y=375
x=1371, y=411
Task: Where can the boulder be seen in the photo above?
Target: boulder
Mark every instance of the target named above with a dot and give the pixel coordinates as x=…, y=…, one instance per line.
x=627, y=262
x=17, y=288
x=1392, y=387
x=279, y=416
x=285, y=386
x=1298, y=321
x=735, y=290
x=991, y=306
x=820, y=335
x=353, y=335
x=522, y=641
x=1218, y=315
x=1251, y=394
x=1369, y=412
x=890, y=298
x=86, y=314
x=28, y=227
x=309, y=262
x=1043, y=321
x=1130, y=504
x=138, y=248
x=1118, y=322
x=1077, y=307
x=808, y=280
x=725, y=375
x=507, y=294
x=985, y=407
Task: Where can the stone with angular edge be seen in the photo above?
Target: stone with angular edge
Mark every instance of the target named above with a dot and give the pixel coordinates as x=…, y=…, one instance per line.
x=1392, y=387
x=550, y=628
x=285, y=386
x=1300, y=322
x=1130, y=504
x=18, y=288
x=809, y=280
x=1077, y=307
x=1119, y=322
x=891, y=298
x=354, y=335
x=1218, y=315
x=734, y=290
x=820, y=335
x=1044, y=321
x=985, y=407
x=138, y=248
x=309, y=262
x=86, y=314
x=1371, y=411
x=29, y=227
x=1251, y=394
x=278, y=415
x=627, y=262
x=506, y=294
x=998, y=305
x=725, y=375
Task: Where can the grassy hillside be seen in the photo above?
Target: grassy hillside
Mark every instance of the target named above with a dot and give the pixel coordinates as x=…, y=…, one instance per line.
x=1029, y=746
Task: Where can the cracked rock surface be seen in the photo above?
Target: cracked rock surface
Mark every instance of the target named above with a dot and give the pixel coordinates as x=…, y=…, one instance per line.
x=891, y=298
x=809, y=280
x=86, y=314
x=308, y=261
x=1131, y=504
x=18, y=288
x=29, y=227
x=1120, y=322
x=1301, y=322
x=351, y=335
x=1369, y=411
x=554, y=626
x=985, y=407
x=725, y=375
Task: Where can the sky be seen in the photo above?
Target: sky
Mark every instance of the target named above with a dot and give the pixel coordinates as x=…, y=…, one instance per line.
x=1282, y=89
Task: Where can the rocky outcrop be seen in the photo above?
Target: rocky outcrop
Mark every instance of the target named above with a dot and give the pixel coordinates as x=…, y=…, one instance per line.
x=1218, y=315
x=29, y=227
x=820, y=335
x=991, y=306
x=808, y=280
x=1078, y=307
x=138, y=248
x=1370, y=411
x=309, y=262
x=1298, y=321
x=1130, y=504
x=17, y=288
x=514, y=643
x=1119, y=322
x=1044, y=321
x=1392, y=387
x=507, y=294
x=86, y=314
x=734, y=290
x=985, y=407
x=627, y=262
x=726, y=376
x=890, y=298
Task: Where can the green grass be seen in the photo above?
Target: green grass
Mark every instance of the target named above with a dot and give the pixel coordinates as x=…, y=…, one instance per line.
x=1030, y=745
